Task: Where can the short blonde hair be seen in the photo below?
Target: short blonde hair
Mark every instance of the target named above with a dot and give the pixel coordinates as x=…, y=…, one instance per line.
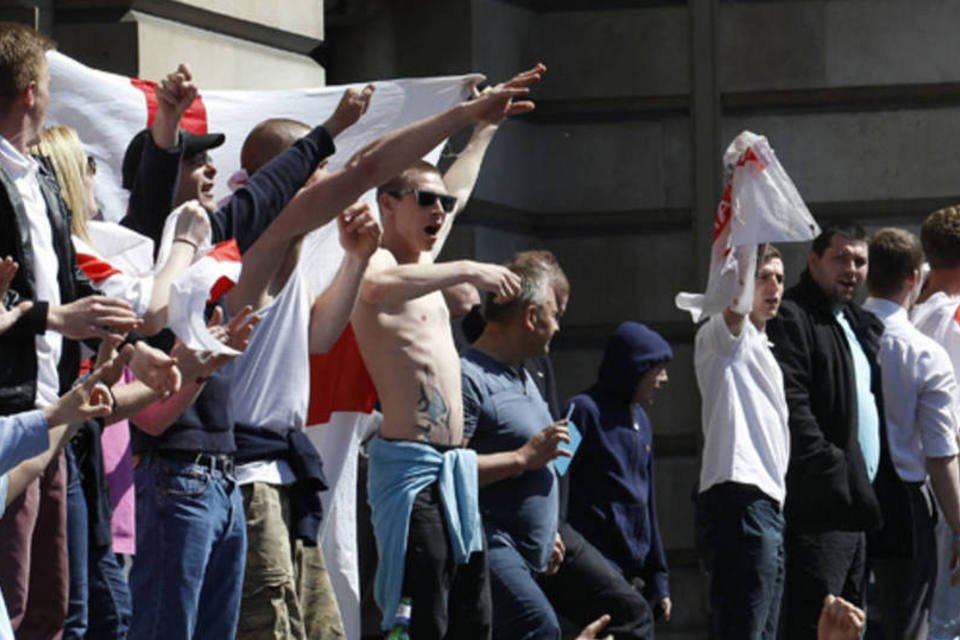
x=62, y=148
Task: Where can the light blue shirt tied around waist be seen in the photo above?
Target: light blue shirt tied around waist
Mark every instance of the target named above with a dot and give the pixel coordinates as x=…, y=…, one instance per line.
x=399, y=470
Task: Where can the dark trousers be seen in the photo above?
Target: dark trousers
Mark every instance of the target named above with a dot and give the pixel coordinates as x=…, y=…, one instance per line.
x=33, y=555
x=905, y=585
x=587, y=586
x=740, y=531
x=818, y=564
x=521, y=610
x=448, y=600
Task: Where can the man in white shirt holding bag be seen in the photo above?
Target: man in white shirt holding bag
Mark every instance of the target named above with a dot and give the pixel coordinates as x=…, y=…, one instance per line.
x=746, y=449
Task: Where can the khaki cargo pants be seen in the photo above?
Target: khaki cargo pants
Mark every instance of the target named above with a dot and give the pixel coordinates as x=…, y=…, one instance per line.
x=287, y=594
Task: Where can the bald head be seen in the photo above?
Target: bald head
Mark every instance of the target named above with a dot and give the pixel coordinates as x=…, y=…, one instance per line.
x=269, y=139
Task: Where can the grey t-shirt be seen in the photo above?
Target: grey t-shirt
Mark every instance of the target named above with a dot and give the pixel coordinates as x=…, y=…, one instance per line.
x=502, y=409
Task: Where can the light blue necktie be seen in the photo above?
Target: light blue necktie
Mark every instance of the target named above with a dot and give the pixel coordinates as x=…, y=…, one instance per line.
x=868, y=421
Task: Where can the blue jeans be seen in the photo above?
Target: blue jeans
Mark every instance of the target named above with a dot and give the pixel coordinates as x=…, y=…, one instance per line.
x=741, y=536
x=187, y=576
x=521, y=610
x=99, y=603
x=75, y=626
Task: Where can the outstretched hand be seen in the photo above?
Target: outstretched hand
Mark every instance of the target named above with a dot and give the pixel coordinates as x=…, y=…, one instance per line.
x=153, y=368
x=198, y=365
x=503, y=283
x=86, y=401
x=9, y=317
x=352, y=105
x=495, y=104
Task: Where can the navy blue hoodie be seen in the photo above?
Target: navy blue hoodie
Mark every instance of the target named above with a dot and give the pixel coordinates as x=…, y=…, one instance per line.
x=611, y=476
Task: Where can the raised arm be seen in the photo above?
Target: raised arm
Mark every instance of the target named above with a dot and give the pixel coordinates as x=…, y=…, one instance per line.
x=390, y=154
x=359, y=237
x=462, y=175
x=256, y=206
x=153, y=192
x=193, y=228
x=386, y=283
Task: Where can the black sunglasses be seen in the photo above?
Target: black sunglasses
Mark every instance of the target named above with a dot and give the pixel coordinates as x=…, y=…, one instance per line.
x=428, y=198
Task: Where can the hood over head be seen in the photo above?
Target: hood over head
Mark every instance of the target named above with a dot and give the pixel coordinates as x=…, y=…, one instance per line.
x=632, y=350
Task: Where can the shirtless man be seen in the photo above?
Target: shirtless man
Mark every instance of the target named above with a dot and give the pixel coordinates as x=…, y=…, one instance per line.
x=422, y=483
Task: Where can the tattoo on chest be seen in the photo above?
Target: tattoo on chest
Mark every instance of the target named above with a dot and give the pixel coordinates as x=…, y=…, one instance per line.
x=433, y=413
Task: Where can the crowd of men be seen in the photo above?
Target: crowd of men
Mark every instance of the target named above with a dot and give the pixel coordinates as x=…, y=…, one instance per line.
x=497, y=511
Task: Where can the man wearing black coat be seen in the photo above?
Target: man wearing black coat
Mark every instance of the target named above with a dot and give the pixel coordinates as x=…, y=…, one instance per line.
x=840, y=471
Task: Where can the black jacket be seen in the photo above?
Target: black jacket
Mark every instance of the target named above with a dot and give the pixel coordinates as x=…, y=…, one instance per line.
x=827, y=483
x=18, y=366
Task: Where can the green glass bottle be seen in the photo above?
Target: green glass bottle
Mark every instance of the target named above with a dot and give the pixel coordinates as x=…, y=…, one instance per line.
x=401, y=621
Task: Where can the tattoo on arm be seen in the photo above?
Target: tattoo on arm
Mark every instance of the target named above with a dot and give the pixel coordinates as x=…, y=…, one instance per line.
x=433, y=413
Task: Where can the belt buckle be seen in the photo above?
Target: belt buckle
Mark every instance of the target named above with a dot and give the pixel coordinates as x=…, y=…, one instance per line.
x=205, y=460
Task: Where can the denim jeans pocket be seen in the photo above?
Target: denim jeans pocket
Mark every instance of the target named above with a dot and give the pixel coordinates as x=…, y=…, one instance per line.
x=187, y=482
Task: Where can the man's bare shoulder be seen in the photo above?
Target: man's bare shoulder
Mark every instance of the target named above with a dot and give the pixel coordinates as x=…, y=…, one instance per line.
x=380, y=260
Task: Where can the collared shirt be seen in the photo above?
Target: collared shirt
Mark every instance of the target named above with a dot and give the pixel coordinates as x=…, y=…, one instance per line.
x=919, y=392
x=23, y=171
x=502, y=410
x=868, y=420
x=746, y=437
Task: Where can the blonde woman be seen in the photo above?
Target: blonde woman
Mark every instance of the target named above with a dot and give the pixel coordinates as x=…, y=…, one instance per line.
x=117, y=260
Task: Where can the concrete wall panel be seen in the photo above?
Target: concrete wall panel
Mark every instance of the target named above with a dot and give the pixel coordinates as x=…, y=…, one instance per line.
x=795, y=45
x=628, y=277
x=598, y=54
x=590, y=167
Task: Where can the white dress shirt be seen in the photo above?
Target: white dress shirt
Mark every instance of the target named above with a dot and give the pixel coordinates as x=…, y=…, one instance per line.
x=919, y=392
x=746, y=438
x=46, y=267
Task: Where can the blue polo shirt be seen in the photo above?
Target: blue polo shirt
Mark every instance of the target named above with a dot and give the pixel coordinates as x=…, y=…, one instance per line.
x=502, y=410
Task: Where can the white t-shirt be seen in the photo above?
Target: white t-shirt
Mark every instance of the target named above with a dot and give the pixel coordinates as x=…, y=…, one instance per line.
x=746, y=438
x=270, y=386
x=23, y=171
x=919, y=392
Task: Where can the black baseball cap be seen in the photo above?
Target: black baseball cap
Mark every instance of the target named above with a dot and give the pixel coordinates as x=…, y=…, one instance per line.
x=192, y=145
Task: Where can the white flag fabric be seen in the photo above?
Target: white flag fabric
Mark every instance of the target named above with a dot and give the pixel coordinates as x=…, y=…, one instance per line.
x=205, y=281
x=107, y=110
x=760, y=204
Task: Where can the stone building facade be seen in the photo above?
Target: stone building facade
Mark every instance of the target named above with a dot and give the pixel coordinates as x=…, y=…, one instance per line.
x=618, y=170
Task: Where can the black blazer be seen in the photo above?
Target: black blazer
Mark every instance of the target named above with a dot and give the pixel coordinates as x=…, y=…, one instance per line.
x=827, y=483
x=18, y=356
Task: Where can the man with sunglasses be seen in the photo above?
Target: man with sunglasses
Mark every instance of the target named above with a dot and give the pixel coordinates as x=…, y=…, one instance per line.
x=423, y=484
